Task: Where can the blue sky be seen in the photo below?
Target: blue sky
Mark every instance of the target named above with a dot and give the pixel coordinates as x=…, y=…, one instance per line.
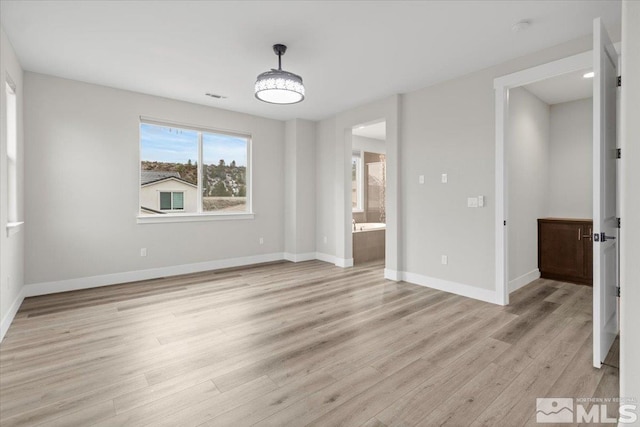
x=164, y=144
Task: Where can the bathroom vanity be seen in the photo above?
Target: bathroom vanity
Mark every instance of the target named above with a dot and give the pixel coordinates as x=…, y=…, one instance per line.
x=565, y=249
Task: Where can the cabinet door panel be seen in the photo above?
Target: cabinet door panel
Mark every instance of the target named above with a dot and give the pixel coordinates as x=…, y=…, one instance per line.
x=562, y=249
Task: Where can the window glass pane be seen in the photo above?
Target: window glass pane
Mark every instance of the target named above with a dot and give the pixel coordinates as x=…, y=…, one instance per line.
x=12, y=154
x=165, y=201
x=224, y=173
x=169, y=162
x=376, y=183
x=178, y=200
x=356, y=184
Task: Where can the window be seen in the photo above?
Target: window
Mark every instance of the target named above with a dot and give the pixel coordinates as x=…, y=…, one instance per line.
x=192, y=171
x=356, y=181
x=171, y=200
x=12, y=153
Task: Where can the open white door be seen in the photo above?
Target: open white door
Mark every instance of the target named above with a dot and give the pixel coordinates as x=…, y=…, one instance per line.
x=605, y=222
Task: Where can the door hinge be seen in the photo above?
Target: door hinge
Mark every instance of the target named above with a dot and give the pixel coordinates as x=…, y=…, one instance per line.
x=505, y=222
x=618, y=153
x=617, y=291
x=618, y=222
x=619, y=81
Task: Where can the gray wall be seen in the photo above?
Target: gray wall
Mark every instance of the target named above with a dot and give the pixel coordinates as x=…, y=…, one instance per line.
x=570, y=160
x=300, y=189
x=82, y=184
x=450, y=128
x=630, y=205
x=11, y=248
x=527, y=178
x=368, y=144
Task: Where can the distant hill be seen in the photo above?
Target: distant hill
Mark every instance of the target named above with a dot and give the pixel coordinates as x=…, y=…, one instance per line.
x=221, y=180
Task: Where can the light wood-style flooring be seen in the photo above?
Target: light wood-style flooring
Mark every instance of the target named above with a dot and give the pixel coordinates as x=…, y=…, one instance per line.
x=301, y=344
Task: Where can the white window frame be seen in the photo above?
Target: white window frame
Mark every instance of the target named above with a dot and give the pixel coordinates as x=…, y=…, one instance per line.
x=200, y=215
x=12, y=155
x=359, y=154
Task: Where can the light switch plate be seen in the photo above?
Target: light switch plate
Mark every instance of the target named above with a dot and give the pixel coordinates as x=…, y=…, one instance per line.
x=480, y=201
x=444, y=178
x=421, y=179
x=445, y=260
x=472, y=202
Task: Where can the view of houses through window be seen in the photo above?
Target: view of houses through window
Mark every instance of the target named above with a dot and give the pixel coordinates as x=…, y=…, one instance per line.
x=192, y=171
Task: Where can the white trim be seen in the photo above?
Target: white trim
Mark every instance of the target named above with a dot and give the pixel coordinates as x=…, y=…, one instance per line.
x=502, y=85
x=14, y=227
x=344, y=262
x=44, y=288
x=11, y=314
x=156, y=219
x=326, y=258
x=523, y=280
x=462, y=289
x=394, y=275
x=299, y=257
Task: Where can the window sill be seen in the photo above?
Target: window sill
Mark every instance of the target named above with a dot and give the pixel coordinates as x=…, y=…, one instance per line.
x=357, y=210
x=157, y=219
x=14, y=227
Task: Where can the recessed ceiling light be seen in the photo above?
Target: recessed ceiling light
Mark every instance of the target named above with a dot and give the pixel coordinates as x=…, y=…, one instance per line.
x=588, y=75
x=521, y=25
x=216, y=96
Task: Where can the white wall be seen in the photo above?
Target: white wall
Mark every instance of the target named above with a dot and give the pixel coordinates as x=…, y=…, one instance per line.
x=368, y=144
x=450, y=128
x=82, y=185
x=333, y=189
x=11, y=247
x=630, y=204
x=300, y=189
x=570, y=164
x=527, y=179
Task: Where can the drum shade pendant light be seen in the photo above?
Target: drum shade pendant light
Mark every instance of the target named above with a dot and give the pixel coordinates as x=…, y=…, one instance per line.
x=279, y=86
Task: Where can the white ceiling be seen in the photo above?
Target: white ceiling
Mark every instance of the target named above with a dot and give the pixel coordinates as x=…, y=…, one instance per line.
x=374, y=131
x=348, y=52
x=563, y=88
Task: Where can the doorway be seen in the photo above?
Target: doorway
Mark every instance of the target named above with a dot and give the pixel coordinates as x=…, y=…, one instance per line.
x=603, y=60
x=368, y=192
x=550, y=180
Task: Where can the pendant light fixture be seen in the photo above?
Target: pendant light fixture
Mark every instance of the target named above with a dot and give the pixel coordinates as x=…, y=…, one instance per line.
x=279, y=86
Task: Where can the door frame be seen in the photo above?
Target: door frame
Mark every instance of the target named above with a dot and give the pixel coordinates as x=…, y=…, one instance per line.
x=502, y=85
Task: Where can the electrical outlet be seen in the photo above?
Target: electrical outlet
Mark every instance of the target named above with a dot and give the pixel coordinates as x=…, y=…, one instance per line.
x=421, y=179
x=261, y=240
x=143, y=251
x=444, y=260
x=444, y=178
x=480, y=201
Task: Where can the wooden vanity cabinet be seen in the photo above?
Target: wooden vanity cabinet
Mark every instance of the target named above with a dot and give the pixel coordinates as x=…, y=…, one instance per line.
x=565, y=249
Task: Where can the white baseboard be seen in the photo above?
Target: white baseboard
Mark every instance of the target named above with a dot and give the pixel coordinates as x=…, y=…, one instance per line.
x=394, y=275
x=523, y=280
x=45, y=288
x=325, y=257
x=339, y=262
x=299, y=257
x=11, y=314
x=453, y=287
x=344, y=262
